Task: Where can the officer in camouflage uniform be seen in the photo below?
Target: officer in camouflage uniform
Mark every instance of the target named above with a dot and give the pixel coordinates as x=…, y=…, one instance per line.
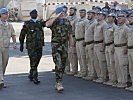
x=61, y=30
x=33, y=31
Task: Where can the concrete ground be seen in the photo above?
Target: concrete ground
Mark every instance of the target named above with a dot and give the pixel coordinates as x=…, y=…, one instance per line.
x=20, y=88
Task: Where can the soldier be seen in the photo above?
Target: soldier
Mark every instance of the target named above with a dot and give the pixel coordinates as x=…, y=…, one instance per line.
x=61, y=29
x=89, y=42
x=72, y=55
x=109, y=45
x=99, y=48
x=80, y=43
x=121, y=60
x=33, y=31
x=130, y=50
x=6, y=32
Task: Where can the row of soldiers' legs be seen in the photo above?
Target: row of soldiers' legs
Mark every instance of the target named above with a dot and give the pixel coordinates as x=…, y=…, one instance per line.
x=104, y=67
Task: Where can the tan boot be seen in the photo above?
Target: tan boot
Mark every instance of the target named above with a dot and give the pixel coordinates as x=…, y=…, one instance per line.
x=115, y=85
x=72, y=73
x=100, y=80
x=122, y=85
x=129, y=88
x=89, y=78
x=58, y=86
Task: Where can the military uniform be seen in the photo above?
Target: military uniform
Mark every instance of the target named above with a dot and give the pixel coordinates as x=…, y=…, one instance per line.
x=80, y=48
x=61, y=29
x=33, y=31
x=99, y=55
x=6, y=32
x=89, y=42
x=130, y=54
x=109, y=46
x=72, y=55
x=121, y=58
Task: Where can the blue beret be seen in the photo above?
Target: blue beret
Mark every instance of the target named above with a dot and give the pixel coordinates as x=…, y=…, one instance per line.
x=105, y=10
x=91, y=11
x=103, y=13
x=33, y=11
x=59, y=9
x=74, y=8
x=112, y=15
x=120, y=15
x=83, y=10
x=3, y=11
x=97, y=7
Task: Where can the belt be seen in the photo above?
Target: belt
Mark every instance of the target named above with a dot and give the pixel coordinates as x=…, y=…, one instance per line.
x=120, y=45
x=130, y=47
x=97, y=42
x=90, y=42
x=80, y=39
x=108, y=44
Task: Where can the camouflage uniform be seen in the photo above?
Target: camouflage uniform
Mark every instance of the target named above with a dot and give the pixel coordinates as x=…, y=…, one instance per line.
x=33, y=31
x=59, y=44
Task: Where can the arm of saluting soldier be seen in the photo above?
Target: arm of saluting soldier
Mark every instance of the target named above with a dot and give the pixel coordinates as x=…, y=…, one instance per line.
x=51, y=21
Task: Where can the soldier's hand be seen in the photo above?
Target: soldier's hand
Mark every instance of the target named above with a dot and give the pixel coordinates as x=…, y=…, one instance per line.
x=84, y=44
x=102, y=49
x=113, y=50
x=14, y=46
x=125, y=51
x=21, y=48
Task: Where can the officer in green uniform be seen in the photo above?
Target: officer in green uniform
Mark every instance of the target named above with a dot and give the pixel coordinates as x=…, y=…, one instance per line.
x=33, y=31
x=61, y=30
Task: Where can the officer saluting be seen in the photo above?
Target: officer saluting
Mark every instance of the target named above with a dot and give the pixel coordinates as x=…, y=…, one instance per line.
x=33, y=31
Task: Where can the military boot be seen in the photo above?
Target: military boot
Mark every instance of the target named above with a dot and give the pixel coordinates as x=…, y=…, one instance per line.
x=71, y=73
x=30, y=76
x=1, y=85
x=36, y=81
x=58, y=86
x=122, y=85
x=35, y=77
x=129, y=88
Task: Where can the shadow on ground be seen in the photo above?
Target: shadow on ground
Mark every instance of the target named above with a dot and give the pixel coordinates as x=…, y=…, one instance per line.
x=20, y=88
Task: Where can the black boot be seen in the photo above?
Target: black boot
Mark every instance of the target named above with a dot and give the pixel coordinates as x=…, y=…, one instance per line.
x=35, y=77
x=31, y=75
x=36, y=81
x=30, y=78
